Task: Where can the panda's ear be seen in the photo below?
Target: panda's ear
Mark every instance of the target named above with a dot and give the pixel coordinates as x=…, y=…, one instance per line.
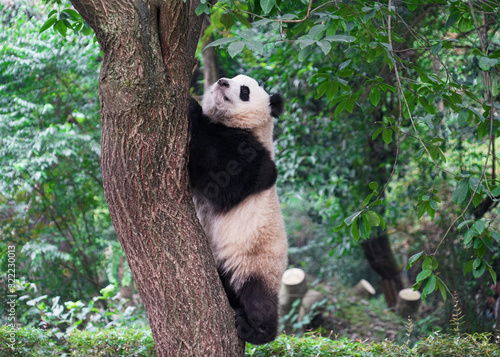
x=276, y=105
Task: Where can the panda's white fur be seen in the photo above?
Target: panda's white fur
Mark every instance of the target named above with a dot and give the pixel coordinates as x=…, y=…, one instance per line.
x=223, y=105
x=248, y=240
x=233, y=177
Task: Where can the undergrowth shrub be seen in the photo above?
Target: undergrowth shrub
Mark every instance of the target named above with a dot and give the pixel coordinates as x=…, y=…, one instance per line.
x=134, y=342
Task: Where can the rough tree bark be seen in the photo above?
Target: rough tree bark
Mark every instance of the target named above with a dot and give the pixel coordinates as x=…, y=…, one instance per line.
x=148, y=59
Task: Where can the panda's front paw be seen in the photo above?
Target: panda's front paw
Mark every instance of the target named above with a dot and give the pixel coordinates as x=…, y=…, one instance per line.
x=256, y=331
x=244, y=328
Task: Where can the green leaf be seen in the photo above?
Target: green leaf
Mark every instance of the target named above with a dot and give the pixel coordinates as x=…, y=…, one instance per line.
x=340, y=38
x=339, y=227
x=267, y=5
x=476, y=200
x=479, y=226
x=460, y=193
x=51, y=21
x=436, y=48
x=377, y=132
x=413, y=259
x=61, y=27
x=242, y=19
x=349, y=104
x=480, y=247
x=367, y=199
x=454, y=16
x=469, y=235
x=473, y=183
x=486, y=63
x=422, y=208
x=496, y=191
x=373, y=185
x=235, y=47
x=424, y=274
x=442, y=287
x=304, y=53
x=364, y=227
x=468, y=267
x=428, y=263
x=255, y=46
x=477, y=273
x=340, y=107
x=429, y=286
x=325, y=46
x=411, y=6
x=355, y=230
x=375, y=95
x=386, y=87
x=387, y=136
x=349, y=220
x=227, y=20
x=303, y=43
x=464, y=223
x=315, y=31
x=419, y=154
x=74, y=15
x=382, y=221
x=429, y=108
x=373, y=218
x=493, y=274
x=221, y=41
x=202, y=9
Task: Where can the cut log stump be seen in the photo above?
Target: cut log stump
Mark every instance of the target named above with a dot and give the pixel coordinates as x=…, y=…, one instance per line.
x=408, y=303
x=363, y=289
x=293, y=287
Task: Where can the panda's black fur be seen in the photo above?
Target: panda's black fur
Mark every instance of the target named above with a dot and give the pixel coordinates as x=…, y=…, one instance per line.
x=226, y=164
x=228, y=167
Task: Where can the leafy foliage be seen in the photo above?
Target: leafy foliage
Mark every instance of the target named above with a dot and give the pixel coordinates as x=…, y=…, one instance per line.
x=436, y=345
x=133, y=342
x=109, y=310
x=137, y=342
x=51, y=197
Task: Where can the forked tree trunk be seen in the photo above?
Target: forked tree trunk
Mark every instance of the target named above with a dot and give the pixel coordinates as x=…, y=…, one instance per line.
x=148, y=58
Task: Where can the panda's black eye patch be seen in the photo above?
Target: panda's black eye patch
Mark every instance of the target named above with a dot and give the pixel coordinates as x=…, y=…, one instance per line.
x=244, y=93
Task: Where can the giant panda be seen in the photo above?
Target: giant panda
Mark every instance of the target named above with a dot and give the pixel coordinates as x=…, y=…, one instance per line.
x=233, y=176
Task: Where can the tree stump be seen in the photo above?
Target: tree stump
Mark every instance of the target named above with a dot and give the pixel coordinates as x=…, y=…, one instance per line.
x=293, y=287
x=309, y=299
x=408, y=302
x=363, y=289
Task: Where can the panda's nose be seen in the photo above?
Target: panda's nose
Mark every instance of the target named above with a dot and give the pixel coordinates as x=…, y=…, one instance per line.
x=223, y=82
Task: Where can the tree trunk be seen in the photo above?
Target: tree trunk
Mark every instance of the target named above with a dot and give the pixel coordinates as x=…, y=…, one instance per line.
x=378, y=252
x=210, y=73
x=408, y=303
x=377, y=249
x=144, y=91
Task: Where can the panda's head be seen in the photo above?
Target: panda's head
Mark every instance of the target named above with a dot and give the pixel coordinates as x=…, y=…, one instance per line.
x=241, y=103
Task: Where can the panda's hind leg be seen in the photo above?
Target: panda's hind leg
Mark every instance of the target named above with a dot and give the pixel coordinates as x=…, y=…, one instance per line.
x=257, y=316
